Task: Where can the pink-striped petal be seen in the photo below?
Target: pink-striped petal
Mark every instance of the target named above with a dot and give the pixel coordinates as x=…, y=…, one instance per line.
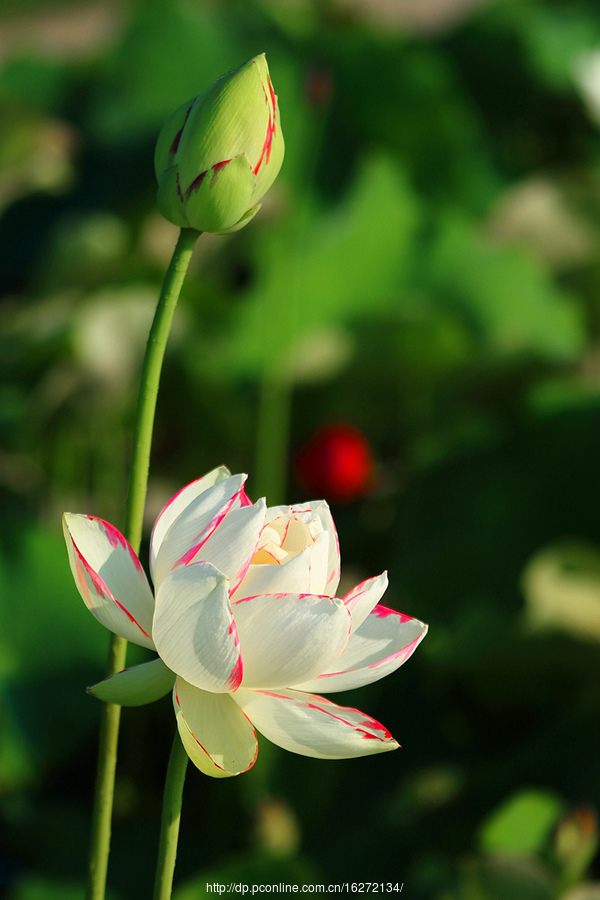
x=109, y=577
x=364, y=597
x=306, y=512
x=282, y=635
x=194, y=630
x=217, y=736
x=194, y=524
x=384, y=641
x=245, y=499
x=178, y=503
x=231, y=546
x=313, y=726
x=306, y=573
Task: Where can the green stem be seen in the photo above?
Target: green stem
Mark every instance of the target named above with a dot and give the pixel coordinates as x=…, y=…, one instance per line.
x=134, y=515
x=105, y=780
x=171, y=815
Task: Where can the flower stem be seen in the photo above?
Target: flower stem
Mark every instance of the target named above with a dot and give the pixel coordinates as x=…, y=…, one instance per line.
x=134, y=515
x=171, y=815
x=105, y=780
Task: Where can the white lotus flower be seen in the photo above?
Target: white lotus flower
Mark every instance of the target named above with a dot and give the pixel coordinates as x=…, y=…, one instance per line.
x=245, y=623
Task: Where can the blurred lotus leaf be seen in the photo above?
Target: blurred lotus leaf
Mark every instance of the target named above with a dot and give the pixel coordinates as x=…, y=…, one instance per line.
x=505, y=295
x=554, y=36
x=522, y=825
x=353, y=262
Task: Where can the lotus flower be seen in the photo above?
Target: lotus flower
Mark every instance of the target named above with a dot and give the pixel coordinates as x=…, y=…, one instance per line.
x=218, y=154
x=245, y=622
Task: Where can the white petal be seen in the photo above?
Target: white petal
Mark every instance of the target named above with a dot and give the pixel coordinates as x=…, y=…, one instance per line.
x=178, y=503
x=364, y=597
x=305, y=573
x=282, y=635
x=109, y=577
x=384, y=641
x=194, y=630
x=194, y=524
x=218, y=737
x=307, y=512
x=137, y=685
x=313, y=726
x=231, y=546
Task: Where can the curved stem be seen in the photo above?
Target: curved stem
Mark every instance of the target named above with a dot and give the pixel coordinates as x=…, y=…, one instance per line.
x=136, y=498
x=171, y=815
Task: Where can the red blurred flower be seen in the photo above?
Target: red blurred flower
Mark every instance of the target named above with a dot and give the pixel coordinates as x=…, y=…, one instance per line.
x=337, y=463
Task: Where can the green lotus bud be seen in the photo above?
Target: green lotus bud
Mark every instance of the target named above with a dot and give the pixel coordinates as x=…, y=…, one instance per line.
x=218, y=154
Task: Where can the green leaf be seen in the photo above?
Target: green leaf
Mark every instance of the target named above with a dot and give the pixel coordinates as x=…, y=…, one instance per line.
x=168, y=55
x=522, y=825
x=351, y=261
x=506, y=297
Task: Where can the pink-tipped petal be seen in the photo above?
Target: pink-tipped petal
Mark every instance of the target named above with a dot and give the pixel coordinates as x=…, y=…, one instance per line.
x=364, y=597
x=318, y=509
x=313, y=726
x=194, y=523
x=217, y=736
x=306, y=572
x=384, y=641
x=178, y=503
x=109, y=577
x=282, y=635
x=194, y=630
x=231, y=546
x=245, y=499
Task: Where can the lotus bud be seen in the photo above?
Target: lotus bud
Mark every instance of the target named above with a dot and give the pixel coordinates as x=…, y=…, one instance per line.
x=218, y=154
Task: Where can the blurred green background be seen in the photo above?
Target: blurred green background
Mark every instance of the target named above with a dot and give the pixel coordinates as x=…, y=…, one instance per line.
x=426, y=269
